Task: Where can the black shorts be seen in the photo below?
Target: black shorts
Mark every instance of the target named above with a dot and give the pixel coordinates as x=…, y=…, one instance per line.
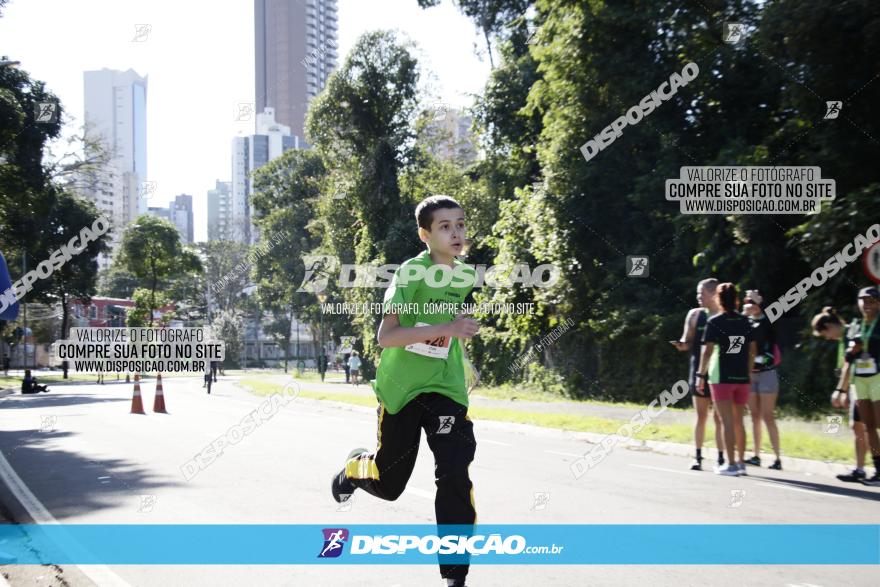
x=692, y=386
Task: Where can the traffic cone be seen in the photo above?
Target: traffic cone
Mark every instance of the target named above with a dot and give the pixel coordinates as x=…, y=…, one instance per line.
x=137, y=405
x=159, y=402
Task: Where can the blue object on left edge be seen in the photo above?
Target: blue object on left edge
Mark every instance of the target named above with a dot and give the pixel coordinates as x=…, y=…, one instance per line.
x=9, y=312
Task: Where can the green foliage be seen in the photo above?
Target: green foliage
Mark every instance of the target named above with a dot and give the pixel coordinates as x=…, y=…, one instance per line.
x=229, y=328
x=152, y=252
x=145, y=302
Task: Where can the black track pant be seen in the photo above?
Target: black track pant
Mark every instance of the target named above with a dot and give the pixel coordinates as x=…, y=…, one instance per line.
x=385, y=472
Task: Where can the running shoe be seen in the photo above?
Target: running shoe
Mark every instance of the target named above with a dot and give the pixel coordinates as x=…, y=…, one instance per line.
x=458, y=583
x=697, y=465
x=341, y=487
x=854, y=476
x=776, y=466
x=873, y=481
x=741, y=469
x=728, y=471
x=755, y=460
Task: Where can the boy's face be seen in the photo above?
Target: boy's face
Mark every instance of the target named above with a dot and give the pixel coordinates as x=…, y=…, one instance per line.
x=447, y=232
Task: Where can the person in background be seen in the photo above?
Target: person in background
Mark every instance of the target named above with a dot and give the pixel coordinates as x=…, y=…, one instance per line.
x=29, y=384
x=726, y=366
x=354, y=366
x=831, y=326
x=864, y=356
x=765, y=381
x=691, y=340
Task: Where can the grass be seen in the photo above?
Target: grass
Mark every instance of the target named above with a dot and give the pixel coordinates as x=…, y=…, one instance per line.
x=795, y=442
x=53, y=377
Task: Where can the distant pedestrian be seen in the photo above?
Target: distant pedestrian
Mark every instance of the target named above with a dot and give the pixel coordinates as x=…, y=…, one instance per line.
x=354, y=367
x=692, y=342
x=30, y=385
x=831, y=326
x=765, y=381
x=726, y=362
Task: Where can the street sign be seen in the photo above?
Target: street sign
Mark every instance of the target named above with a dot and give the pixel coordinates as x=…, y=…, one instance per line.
x=871, y=262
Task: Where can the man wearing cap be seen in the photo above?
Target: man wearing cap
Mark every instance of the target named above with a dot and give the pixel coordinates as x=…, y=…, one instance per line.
x=863, y=355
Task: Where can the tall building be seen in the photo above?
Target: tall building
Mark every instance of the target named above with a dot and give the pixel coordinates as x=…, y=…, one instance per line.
x=295, y=51
x=220, y=211
x=248, y=155
x=116, y=116
x=181, y=215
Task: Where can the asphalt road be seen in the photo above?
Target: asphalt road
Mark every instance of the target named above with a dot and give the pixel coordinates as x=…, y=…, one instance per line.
x=85, y=459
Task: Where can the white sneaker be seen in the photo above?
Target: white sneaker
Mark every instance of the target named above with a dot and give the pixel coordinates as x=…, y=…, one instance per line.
x=728, y=471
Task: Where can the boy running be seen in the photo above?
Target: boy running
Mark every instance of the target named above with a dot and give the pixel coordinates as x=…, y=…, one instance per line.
x=420, y=381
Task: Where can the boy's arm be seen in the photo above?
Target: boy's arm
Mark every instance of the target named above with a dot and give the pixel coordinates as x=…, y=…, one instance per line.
x=392, y=334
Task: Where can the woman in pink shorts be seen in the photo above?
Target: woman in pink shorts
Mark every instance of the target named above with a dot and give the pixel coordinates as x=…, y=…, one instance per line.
x=726, y=365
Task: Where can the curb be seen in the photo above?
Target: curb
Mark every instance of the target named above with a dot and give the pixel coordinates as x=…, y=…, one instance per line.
x=790, y=464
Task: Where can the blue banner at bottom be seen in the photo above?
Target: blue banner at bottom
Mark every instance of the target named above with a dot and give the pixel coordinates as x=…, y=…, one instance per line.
x=576, y=544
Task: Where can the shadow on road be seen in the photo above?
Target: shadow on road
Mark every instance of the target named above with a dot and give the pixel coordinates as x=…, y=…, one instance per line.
x=849, y=490
x=68, y=483
x=47, y=400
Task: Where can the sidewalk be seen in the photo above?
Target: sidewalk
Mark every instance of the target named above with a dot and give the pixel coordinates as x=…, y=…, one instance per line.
x=336, y=385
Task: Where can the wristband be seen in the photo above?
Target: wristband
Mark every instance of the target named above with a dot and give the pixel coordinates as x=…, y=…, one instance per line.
x=700, y=375
x=841, y=390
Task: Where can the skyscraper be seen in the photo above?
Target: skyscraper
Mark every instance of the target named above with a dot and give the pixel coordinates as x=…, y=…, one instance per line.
x=220, y=211
x=181, y=214
x=248, y=155
x=296, y=43
x=116, y=115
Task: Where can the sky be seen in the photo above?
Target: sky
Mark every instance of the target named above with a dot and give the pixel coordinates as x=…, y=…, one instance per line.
x=198, y=56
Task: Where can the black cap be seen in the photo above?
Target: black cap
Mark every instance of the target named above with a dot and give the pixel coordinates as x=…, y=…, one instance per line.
x=869, y=292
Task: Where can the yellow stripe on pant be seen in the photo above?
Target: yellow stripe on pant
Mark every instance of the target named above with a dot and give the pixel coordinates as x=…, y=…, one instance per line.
x=363, y=467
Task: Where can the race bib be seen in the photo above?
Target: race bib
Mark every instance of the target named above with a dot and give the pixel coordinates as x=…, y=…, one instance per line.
x=866, y=365
x=436, y=348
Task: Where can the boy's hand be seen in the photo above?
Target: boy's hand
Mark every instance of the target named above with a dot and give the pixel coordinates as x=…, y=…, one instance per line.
x=463, y=327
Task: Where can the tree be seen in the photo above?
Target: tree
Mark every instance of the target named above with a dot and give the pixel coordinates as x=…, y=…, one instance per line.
x=361, y=126
x=116, y=281
x=25, y=199
x=285, y=196
x=151, y=251
x=227, y=271
x=76, y=278
x=228, y=327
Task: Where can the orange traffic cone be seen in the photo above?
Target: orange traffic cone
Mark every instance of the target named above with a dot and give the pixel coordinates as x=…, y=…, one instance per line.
x=137, y=405
x=159, y=402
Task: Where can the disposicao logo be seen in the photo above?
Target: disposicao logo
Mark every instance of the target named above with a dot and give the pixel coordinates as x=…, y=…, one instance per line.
x=334, y=542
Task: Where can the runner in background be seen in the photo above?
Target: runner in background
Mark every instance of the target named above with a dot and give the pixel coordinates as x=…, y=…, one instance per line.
x=691, y=340
x=865, y=357
x=765, y=381
x=726, y=366
x=830, y=325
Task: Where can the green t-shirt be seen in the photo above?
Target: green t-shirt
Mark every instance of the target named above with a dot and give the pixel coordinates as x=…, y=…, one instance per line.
x=403, y=374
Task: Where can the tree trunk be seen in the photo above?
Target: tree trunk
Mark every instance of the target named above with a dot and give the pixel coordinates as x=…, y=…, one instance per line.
x=64, y=318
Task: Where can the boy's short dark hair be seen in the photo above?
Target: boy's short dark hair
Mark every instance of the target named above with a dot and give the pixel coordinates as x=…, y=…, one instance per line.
x=425, y=209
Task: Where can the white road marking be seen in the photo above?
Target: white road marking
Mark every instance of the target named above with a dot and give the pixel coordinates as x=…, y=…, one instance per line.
x=783, y=486
x=689, y=473
x=420, y=493
x=100, y=574
x=563, y=454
